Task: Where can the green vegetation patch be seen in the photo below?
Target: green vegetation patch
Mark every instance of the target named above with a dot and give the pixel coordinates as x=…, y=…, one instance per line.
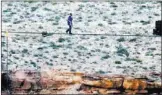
x=105, y=57
x=54, y=46
x=134, y=59
x=122, y=51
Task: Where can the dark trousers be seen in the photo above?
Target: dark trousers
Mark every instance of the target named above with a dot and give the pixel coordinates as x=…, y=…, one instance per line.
x=69, y=29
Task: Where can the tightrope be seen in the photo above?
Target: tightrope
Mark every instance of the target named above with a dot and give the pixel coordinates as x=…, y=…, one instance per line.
x=85, y=34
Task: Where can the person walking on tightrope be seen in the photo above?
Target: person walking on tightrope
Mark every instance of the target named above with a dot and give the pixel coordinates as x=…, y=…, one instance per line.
x=69, y=22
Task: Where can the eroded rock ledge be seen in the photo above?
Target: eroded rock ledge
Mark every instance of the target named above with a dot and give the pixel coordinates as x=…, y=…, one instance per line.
x=56, y=82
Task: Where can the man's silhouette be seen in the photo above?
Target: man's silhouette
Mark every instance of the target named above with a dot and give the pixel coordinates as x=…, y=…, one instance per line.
x=69, y=22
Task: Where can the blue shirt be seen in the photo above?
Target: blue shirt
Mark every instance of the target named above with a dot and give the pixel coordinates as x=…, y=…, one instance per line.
x=70, y=20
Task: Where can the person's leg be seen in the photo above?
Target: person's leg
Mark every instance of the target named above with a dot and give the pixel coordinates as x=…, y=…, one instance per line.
x=67, y=30
x=70, y=30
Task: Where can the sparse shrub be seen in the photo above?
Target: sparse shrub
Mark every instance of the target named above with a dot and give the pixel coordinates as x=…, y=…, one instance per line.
x=156, y=14
x=81, y=6
x=94, y=62
x=65, y=53
x=50, y=19
x=152, y=48
x=81, y=47
x=12, y=13
x=90, y=16
x=5, y=50
x=3, y=44
x=29, y=1
x=54, y=3
x=117, y=62
x=114, y=6
x=92, y=50
x=97, y=39
x=24, y=51
x=113, y=13
x=76, y=28
x=101, y=44
x=49, y=63
x=16, y=57
x=145, y=22
x=118, y=67
x=89, y=20
x=54, y=46
x=55, y=56
x=17, y=22
x=33, y=63
x=152, y=67
x=125, y=22
x=36, y=55
x=103, y=37
x=98, y=50
x=46, y=51
x=133, y=59
x=111, y=23
x=86, y=23
x=7, y=10
x=6, y=20
x=33, y=9
x=100, y=72
x=69, y=46
x=12, y=52
x=61, y=40
x=144, y=68
x=142, y=7
x=59, y=27
x=40, y=27
x=158, y=54
x=105, y=17
x=40, y=48
x=107, y=45
x=56, y=23
x=100, y=24
x=46, y=9
x=149, y=53
x=9, y=4
x=73, y=70
x=105, y=57
x=121, y=39
x=57, y=18
x=112, y=3
x=122, y=51
x=80, y=18
x=132, y=40
x=149, y=16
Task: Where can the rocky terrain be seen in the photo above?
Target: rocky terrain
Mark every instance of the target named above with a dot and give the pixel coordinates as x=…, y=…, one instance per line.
x=56, y=82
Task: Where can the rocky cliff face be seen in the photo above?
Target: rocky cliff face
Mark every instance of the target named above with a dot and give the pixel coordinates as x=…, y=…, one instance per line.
x=57, y=82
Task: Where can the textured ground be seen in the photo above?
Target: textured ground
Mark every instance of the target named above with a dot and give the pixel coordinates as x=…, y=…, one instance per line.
x=89, y=54
x=126, y=55
x=89, y=17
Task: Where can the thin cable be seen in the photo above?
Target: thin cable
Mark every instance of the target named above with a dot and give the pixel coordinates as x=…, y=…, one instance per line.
x=85, y=34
